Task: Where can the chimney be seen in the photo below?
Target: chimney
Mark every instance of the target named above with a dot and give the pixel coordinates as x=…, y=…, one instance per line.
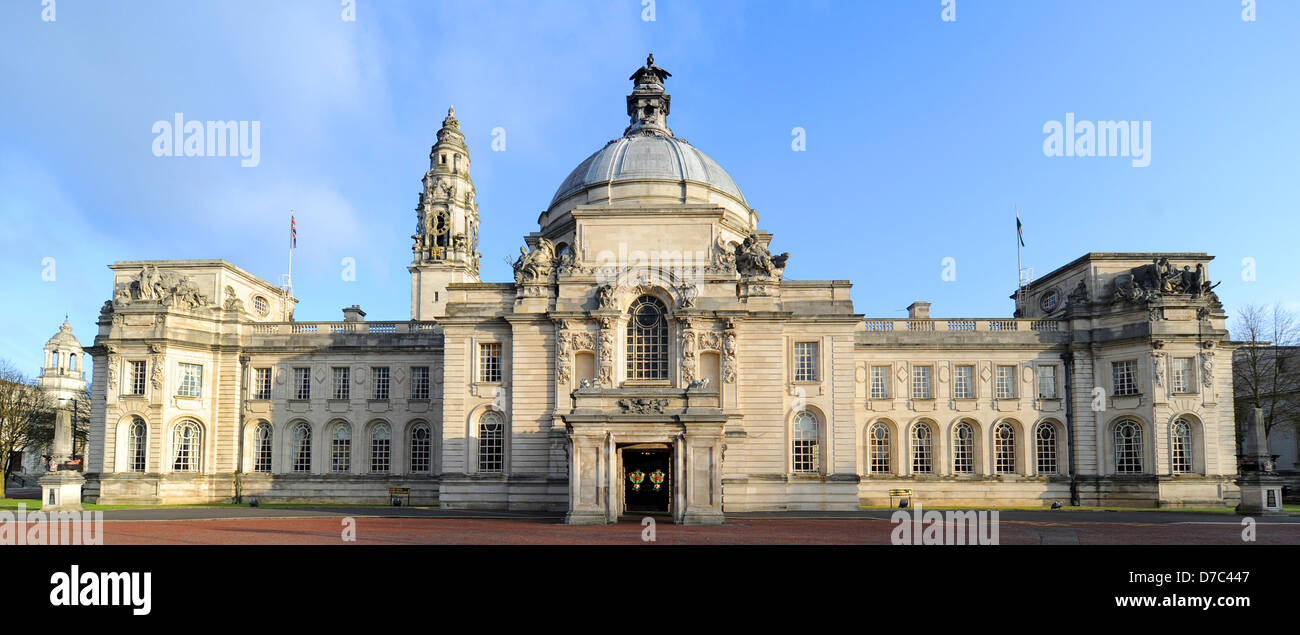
x=354, y=314
x=918, y=310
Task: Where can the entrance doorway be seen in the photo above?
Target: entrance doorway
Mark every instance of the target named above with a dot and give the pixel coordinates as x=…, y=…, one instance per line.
x=647, y=478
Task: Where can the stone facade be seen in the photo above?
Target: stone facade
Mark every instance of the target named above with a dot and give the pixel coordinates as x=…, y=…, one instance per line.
x=651, y=349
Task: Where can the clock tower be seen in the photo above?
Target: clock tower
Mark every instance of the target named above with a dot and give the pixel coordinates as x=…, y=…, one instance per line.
x=446, y=239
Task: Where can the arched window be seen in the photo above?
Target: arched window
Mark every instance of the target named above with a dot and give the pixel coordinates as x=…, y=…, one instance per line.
x=805, y=443
x=262, y=448
x=491, y=443
x=878, y=444
x=421, y=448
x=922, y=449
x=1181, y=452
x=381, y=447
x=137, y=443
x=963, y=449
x=647, y=339
x=1004, y=449
x=341, y=448
x=186, y=443
x=302, y=448
x=1128, y=447
x=1045, y=441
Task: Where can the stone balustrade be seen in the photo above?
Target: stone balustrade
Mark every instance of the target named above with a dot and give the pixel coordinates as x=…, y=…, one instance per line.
x=879, y=325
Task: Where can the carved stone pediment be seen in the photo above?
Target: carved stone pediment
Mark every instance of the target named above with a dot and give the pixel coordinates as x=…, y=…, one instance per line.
x=162, y=287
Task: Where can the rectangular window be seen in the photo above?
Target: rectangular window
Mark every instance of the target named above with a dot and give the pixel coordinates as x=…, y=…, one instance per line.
x=1183, y=381
x=302, y=383
x=1047, y=382
x=1006, y=382
x=262, y=383
x=489, y=362
x=137, y=378
x=419, y=382
x=191, y=380
x=342, y=389
x=921, y=382
x=805, y=361
x=880, y=382
x=379, y=382
x=1124, y=377
x=963, y=382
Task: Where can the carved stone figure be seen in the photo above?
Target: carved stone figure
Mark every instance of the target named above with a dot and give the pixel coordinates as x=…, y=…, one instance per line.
x=606, y=353
x=233, y=303
x=537, y=265
x=1150, y=282
x=699, y=384
x=754, y=260
x=688, y=294
x=607, y=298
x=724, y=255
x=642, y=406
x=729, y=357
x=156, y=373
x=1207, y=368
x=112, y=369
x=688, y=356
x=163, y=287
x=563, y=365
x=1158, y=367
x=1079, y=295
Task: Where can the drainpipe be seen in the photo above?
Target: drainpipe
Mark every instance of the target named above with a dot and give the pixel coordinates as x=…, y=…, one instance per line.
x=1068, y=359
x=239, y=461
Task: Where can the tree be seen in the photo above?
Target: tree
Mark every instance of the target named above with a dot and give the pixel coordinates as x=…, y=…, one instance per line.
x=26, y=416
x=1266, y=368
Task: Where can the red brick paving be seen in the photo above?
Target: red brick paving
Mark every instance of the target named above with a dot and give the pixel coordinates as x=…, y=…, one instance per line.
x=461, y=531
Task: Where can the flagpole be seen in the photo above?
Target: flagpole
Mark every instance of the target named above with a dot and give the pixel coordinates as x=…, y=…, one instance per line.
x=1019, y=270
x=289, y=283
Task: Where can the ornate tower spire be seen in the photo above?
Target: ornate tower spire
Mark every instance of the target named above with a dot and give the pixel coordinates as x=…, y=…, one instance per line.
x=648, y=104
x=446, y=239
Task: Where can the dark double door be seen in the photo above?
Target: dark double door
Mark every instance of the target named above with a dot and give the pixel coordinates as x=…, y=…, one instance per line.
x=642, y=466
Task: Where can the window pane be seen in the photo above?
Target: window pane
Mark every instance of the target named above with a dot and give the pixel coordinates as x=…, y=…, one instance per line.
x=963, y=386
x=1124, y=377
x=491, y=443
x=1046, y=449
x=878, y=439
x=1128, y=448
x=921, y=382
x=805, y=443
x=489, y=362
x=1047, y=382
x=191, y=380
x=379, y=382
x=879, y=382
x=342, y=388
x=647, y=339
x=805, y=361
x=1006, y=382
x=963, y=449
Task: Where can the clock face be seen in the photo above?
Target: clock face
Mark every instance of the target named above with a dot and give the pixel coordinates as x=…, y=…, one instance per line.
x=1051, y=301
x=441, y=222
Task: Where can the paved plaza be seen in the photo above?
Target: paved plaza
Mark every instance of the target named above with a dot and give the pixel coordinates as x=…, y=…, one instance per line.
x=415, y=526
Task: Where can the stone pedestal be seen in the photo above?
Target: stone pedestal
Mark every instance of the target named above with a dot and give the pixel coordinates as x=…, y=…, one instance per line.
x=61, y=491
x=1261, y=494
x=1261, y=487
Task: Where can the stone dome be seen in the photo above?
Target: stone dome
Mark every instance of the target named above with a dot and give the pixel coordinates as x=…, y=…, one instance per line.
x=650, y=158
x=647, y=167
x=64, y=339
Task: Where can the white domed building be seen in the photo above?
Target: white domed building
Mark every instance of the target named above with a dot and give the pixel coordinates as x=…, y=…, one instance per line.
x=651, y=357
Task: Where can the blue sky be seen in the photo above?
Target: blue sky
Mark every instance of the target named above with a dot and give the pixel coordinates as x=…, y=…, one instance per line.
x=922, y=135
